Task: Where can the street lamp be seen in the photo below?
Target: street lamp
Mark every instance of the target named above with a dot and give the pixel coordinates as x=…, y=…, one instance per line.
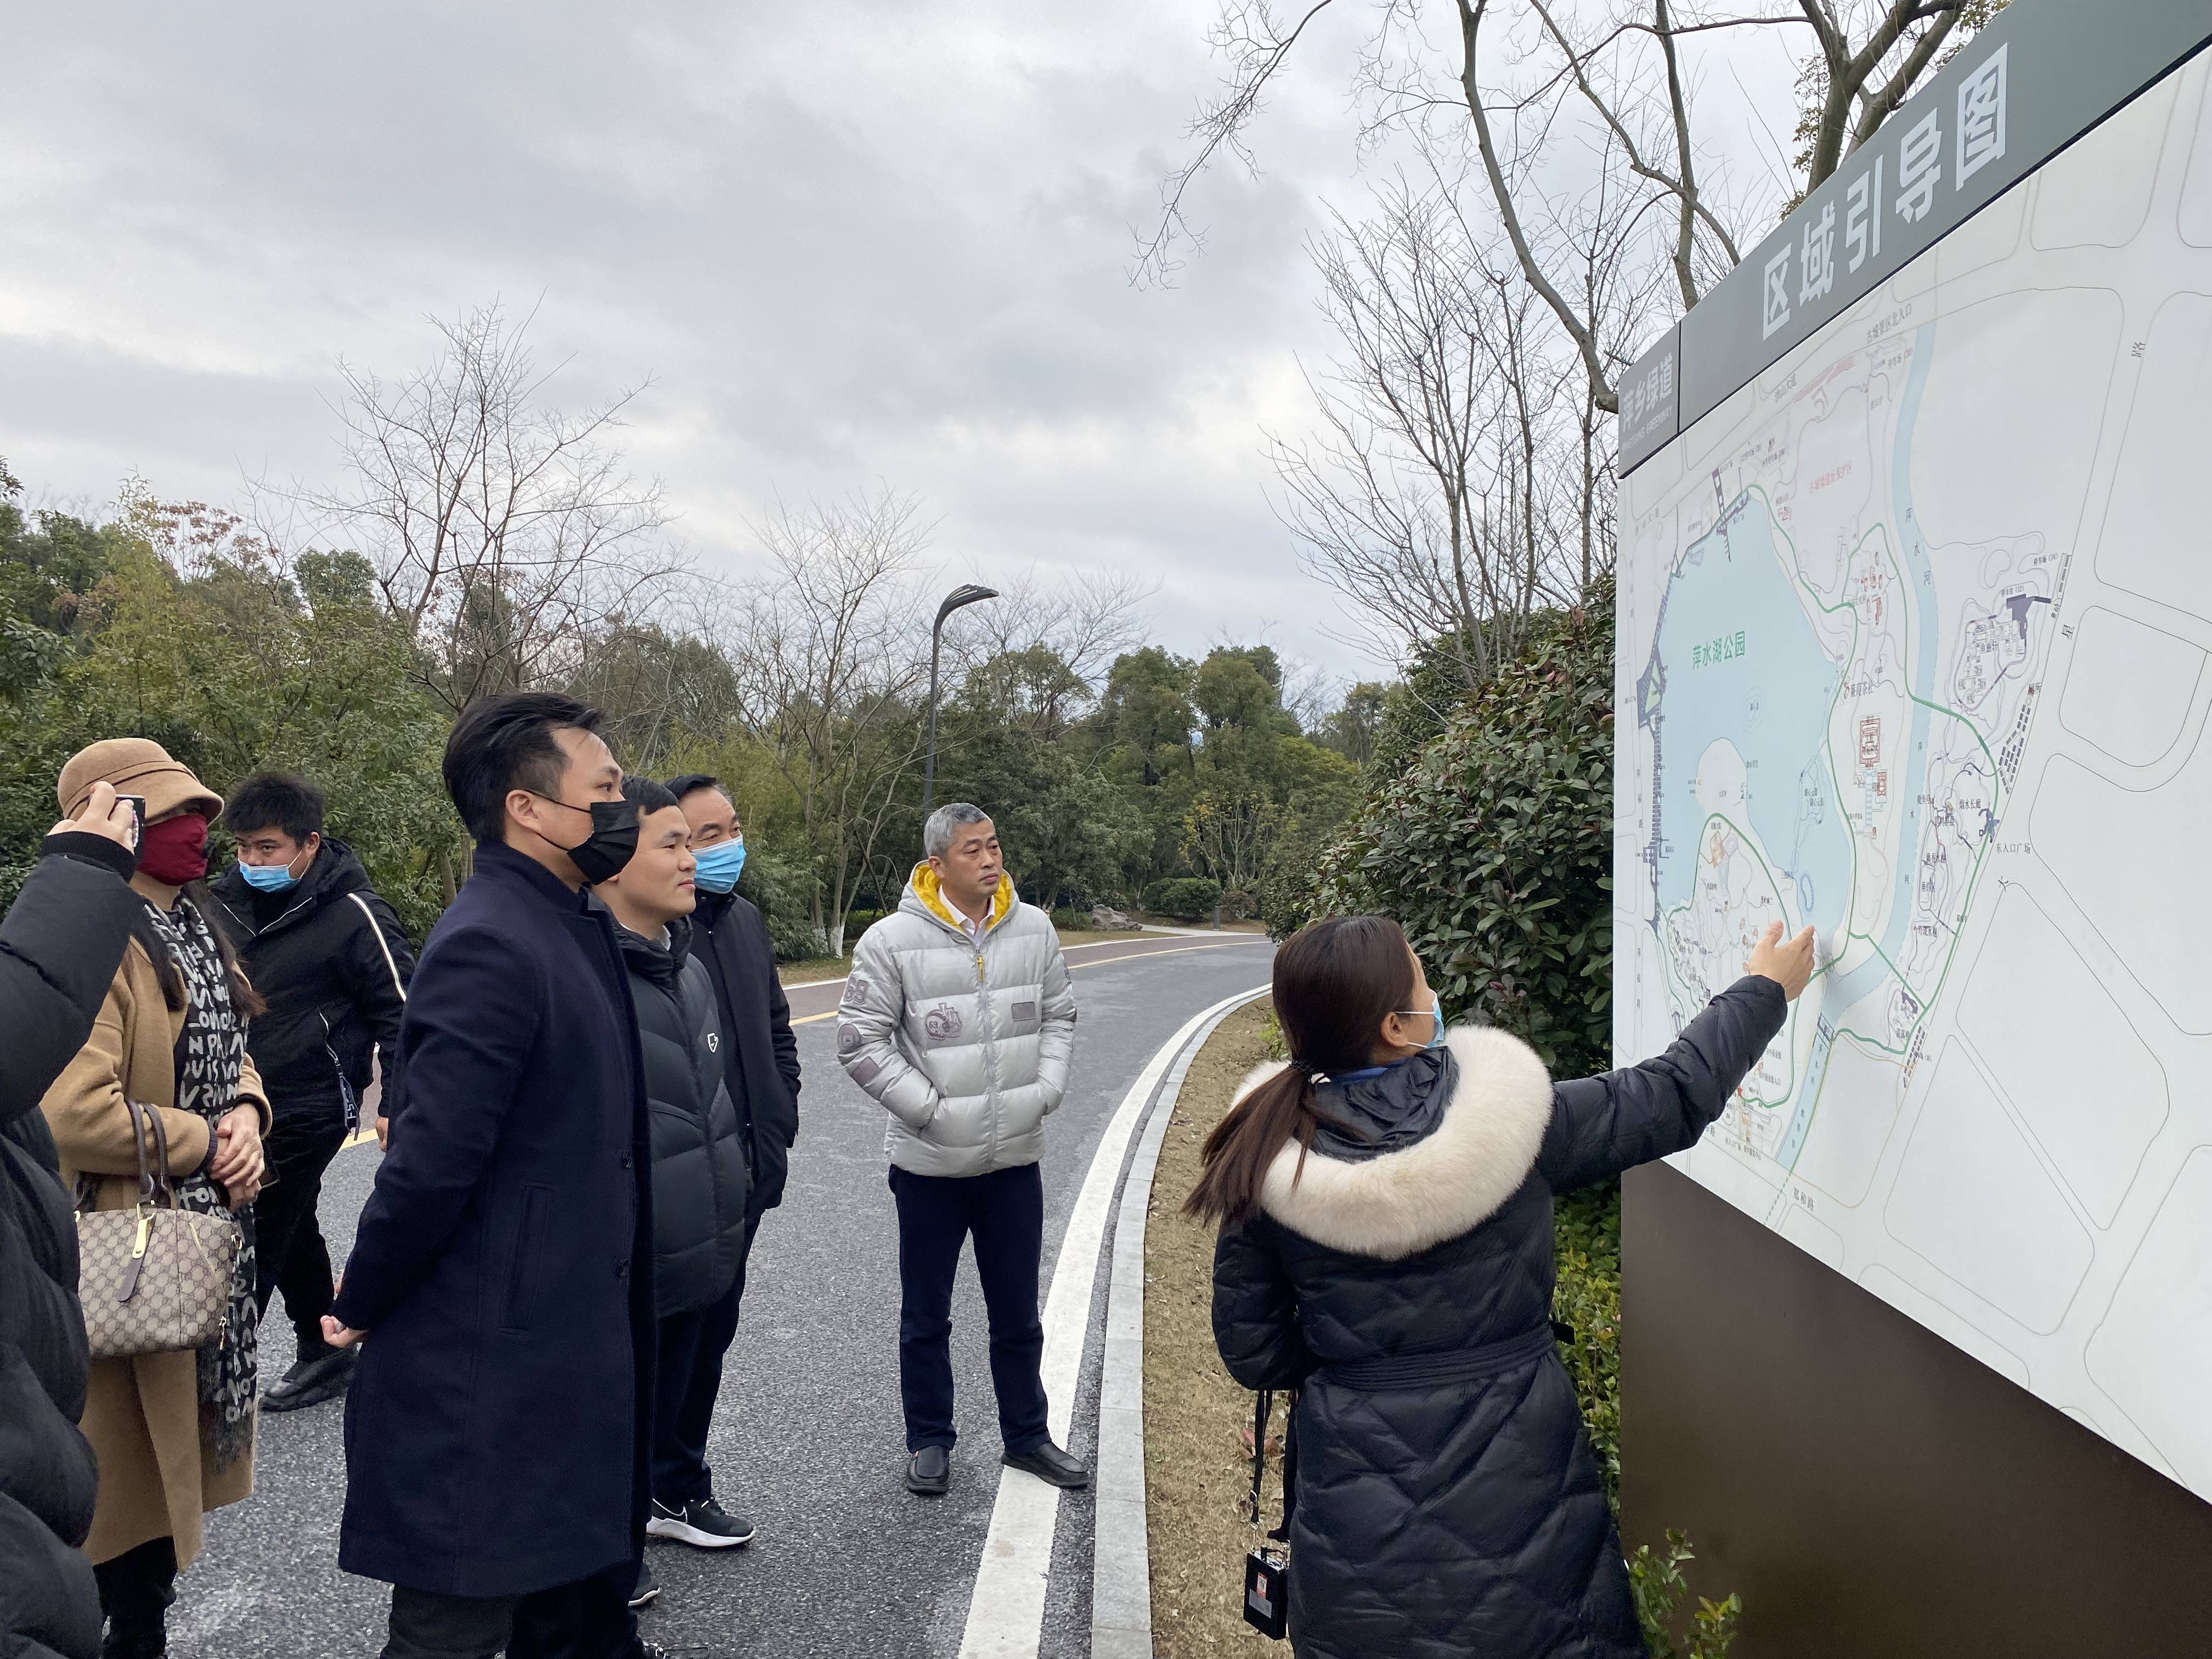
x=966, y=593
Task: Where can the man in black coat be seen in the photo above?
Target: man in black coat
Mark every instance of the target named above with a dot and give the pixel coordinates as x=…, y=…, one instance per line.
x=498, y=1425
x=700, y=1177
x=333, y=962
x=59, y=947
x=761, y=1057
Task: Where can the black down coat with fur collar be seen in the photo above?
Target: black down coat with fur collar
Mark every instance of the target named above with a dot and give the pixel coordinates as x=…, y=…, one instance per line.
x=1447, y=1508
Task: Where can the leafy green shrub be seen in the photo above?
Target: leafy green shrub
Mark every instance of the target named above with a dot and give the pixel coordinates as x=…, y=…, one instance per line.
x=1659, y=1588
x=1494, y=848
x=781, y=894
x=1586, y=1298
x=1186, y=898
x=858, y=922
x=1067, y=916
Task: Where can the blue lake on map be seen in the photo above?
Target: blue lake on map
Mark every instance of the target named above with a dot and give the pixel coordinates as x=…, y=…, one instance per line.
x=1740, y=661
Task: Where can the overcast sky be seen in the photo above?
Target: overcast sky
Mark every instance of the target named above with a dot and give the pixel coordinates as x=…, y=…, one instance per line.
x=848, y=241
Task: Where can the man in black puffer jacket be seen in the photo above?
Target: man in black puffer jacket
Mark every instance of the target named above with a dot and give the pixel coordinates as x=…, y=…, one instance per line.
x=699, y=1173
x=761, y=1059
x=331, y=961
x=59, y=948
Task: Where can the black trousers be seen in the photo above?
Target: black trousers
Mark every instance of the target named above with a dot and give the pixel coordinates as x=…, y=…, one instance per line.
x=692, y=1346
x=588, y=1619
x=1004, y=1211
x=136, y=1589
x=290, y=1254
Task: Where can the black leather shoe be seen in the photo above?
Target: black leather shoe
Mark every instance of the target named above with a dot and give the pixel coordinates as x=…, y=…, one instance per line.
x=929, y=1471
x=1048, y=1463
x=312, y=1379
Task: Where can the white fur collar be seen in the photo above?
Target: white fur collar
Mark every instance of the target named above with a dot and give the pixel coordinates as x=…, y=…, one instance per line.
x=1399, y=1203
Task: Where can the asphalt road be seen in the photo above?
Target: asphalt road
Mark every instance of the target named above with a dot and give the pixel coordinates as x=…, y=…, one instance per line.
x=807, y=1436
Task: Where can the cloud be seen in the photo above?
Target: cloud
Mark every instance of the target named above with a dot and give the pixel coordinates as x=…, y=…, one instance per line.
x=848, y=241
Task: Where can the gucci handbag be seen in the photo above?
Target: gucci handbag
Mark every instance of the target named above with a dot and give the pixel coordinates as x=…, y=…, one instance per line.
x=153, y=1278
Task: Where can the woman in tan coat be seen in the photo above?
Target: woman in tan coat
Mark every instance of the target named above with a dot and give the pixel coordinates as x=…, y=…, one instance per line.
x=173, y=1432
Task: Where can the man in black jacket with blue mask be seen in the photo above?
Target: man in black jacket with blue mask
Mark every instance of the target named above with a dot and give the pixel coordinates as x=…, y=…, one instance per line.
x=760, y=1059
x=498, y=1422
x=332, y=962
x=700, y=1157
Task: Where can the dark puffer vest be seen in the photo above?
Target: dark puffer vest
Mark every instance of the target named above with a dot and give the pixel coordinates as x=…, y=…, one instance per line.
x=1447, y=1504
x=698, y=1171
x=59, y=947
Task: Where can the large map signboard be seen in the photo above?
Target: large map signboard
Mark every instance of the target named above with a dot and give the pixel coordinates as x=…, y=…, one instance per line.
x=1913, y=648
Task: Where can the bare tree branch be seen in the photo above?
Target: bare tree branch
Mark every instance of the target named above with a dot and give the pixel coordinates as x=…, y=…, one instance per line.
x=827, y=650
x=503, y=530
x=1246, y=34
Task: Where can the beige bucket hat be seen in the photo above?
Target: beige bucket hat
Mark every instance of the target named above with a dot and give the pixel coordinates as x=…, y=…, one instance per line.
x=135, y=766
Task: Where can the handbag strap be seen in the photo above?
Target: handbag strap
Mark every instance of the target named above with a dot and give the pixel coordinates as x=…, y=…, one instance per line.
x=148, y=1124
x=1263, y=1406
x=136, y=1114
x=164, y=1192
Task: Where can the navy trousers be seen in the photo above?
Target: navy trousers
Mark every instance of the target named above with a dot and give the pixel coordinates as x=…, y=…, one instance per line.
x=692, y=1346
x=1004, y=1211
x=289, y=1253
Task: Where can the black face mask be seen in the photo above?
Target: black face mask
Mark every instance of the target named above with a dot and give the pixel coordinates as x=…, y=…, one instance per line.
x=612, y=840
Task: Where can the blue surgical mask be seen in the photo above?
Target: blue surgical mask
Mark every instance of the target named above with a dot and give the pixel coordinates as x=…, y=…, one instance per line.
x=269, y=878
x=719, y=865
x=1436, y=1014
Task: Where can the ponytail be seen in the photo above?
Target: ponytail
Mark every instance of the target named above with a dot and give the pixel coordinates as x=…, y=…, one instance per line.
x=1241, y=1148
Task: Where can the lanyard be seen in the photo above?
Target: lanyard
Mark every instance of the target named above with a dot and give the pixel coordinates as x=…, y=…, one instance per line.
x=1262, y=1408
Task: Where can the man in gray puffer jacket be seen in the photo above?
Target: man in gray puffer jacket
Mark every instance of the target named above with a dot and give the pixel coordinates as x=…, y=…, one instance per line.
x=958, y=1020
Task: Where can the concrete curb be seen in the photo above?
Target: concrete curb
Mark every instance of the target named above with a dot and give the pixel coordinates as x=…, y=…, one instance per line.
x=1121, y=1565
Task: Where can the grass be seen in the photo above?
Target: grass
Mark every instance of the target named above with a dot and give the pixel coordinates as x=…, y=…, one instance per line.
x=1196, y=1471
x=1206, y=922
x=813, y=969
x=1097, y=935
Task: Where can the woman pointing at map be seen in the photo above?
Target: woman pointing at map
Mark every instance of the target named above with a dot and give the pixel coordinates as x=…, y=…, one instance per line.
x=1385, y=1249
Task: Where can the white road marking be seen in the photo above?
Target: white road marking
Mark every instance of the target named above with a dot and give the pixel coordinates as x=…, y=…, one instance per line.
x=1006, y=1616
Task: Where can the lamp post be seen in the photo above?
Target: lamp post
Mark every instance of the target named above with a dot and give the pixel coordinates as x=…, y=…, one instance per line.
x=966, y=593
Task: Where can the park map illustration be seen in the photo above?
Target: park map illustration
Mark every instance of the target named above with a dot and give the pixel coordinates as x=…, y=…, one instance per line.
x=1912, y=649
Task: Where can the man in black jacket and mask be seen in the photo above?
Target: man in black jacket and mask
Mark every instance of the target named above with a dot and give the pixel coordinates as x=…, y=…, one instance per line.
x=760, y=1057
x=498, y=1427
x=699, y=1153
x=331, y=961
x=59, y=947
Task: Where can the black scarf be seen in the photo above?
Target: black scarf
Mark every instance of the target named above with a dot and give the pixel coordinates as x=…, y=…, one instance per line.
x=210, y=1053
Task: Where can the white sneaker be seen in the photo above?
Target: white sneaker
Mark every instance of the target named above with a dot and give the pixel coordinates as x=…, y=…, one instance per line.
x=703, y=1525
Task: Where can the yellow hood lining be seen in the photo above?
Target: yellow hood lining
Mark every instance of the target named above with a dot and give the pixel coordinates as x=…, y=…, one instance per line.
x=927, y=888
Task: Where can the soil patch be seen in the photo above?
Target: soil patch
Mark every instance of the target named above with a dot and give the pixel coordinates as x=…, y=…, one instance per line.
x=1197, y=1473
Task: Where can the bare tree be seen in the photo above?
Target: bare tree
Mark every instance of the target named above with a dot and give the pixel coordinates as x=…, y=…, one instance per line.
x=828, y=648
x=1514, y=78
x=1086, y=618
x=1461, y=477
x=502, y=530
